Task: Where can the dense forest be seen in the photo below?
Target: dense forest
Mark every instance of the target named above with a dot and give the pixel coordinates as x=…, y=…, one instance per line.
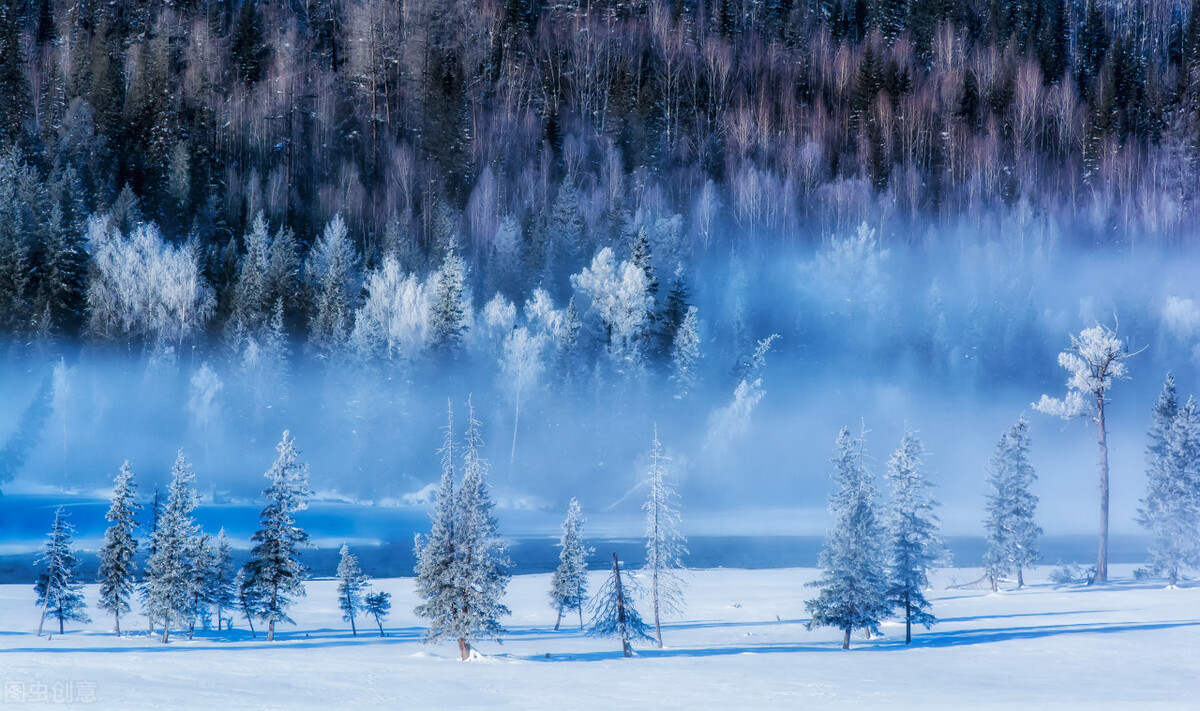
x=577, y=197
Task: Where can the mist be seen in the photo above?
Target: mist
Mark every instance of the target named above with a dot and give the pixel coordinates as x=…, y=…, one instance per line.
x=951, y=335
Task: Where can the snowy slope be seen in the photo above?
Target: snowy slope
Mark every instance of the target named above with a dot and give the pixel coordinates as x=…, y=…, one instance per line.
x=742, y=644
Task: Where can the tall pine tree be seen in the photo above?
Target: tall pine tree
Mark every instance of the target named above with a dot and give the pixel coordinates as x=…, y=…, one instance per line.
x=568, y=586
x=352, y=583
x=914, y=544
x=118, y=571
x=665, y=545
x=170, y=571
x=1011, y=530
x=1171, y=507
x=58, y=593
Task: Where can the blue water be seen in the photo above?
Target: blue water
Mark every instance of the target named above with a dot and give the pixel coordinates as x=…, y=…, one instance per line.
x=25, y=519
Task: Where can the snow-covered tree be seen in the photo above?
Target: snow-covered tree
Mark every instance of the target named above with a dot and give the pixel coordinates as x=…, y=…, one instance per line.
x=613, y=613
x=223, y=593
x=685, y=352
x=665, y=545
x=520, y=367
x=393, y=321
x=118, y=571
x=202, y=560
x=58, y=593
x=568, y=586
x=853, y=583
x=352, y=583
x=247, y=598
x=378, y=605
x=480, y=570
x=1095, y=360
x=435, y=553
x=1012, y=532
x=332, y=269
x=914, y=543
x=449, y=307
x=1171, y=507
x=251, y=295
x=620, y=295
x=169, y=573
x=274, y=570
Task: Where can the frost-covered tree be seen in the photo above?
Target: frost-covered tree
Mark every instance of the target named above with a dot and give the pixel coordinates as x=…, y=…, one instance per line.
x=378, y=605
x=620, y=296
x=436, y=552
x=685, y=352
x=1171, y=507
x=853, y=583
x=449, y=307
x=247, y=599
x=274, y=570
x=613, y=613
x=352, y=583
x=665, y=545
x=1011, y=529
x=58, y=593
x=202, y=558
x=223, y=592
x=332, y=269
x=393, y=321
x=251, y=293
x=914, y=543
x=118, y=571
x=520, y=367
x=568, y=585
x=480, y=569
x=1095, y=360
x=170, y=572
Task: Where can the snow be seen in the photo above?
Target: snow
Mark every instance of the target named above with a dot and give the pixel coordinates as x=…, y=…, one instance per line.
x=741, y=644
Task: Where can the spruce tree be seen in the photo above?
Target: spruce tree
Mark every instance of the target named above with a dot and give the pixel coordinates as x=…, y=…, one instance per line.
x=274, y=571
x=352, y=583
x=378, y=605
x=685, y=353
x=58, y=593
x=202, y=560
x=568, y=586
x=170, y=572
x=223, y=593
x=1011, y=531
x=449, y=311
x=118, y=571
x=665, y=545
x=613, y=613
x=914, y=544
x=435, y=553
x=1171, y=507
x=333, y=269
x=853, y=585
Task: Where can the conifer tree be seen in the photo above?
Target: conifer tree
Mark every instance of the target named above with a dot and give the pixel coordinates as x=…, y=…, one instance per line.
x=449, y=311
x=568, y=586
x=378, y=605
x=274, y=571
x=1011, y=531
x=685, y=353
x=223, y=593
x=202, y=560
x=853, y=585
x=170, y=571
x=613, y=613
x=914, y=544
x=435, y=553
x=665, y=545
x=352, y=583
x=247, y=599
x=1171, y=507
x=118, y=571
x=58, y=593
x=332, y=268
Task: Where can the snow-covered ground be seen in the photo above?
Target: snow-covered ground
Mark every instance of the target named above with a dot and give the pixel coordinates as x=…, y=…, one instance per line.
x=742, y=644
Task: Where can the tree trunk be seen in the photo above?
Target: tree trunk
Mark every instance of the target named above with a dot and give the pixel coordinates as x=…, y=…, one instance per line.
x=353, y=629
x=45, y=606
x=118, y=618
x=907, y=617
x=559, y=620
x=580, y=617
x=464, y=648
x=271, y=630
x=995, y=587
x=1172, y=578
x=380, y=623
x=166, y=632
x=60, y=624
x=1020, y=577
x=846, y=638
x=1102, y=555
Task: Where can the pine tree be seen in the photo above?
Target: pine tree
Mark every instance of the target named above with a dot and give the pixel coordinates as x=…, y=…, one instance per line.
x=853, y=585
x=1011, y=532
x=332, y=268
x=449, y=311
x=250, y=306
x=480, y=569
x=14, y=86
x=912, y=535
x=436, y=552
x=202, y=563
x=378, y=605
x=665, y=545
x=58, y=594
x=223, y=593
x=1171, y=507
x=613, y=613
x=118, y=571
x=248, y=599
x=685, y=353
x=568, y=586
x=170, y=572
x=352, y=583
x=274, y=571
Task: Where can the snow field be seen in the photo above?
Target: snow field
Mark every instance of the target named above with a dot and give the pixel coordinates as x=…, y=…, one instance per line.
x=740, y=644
